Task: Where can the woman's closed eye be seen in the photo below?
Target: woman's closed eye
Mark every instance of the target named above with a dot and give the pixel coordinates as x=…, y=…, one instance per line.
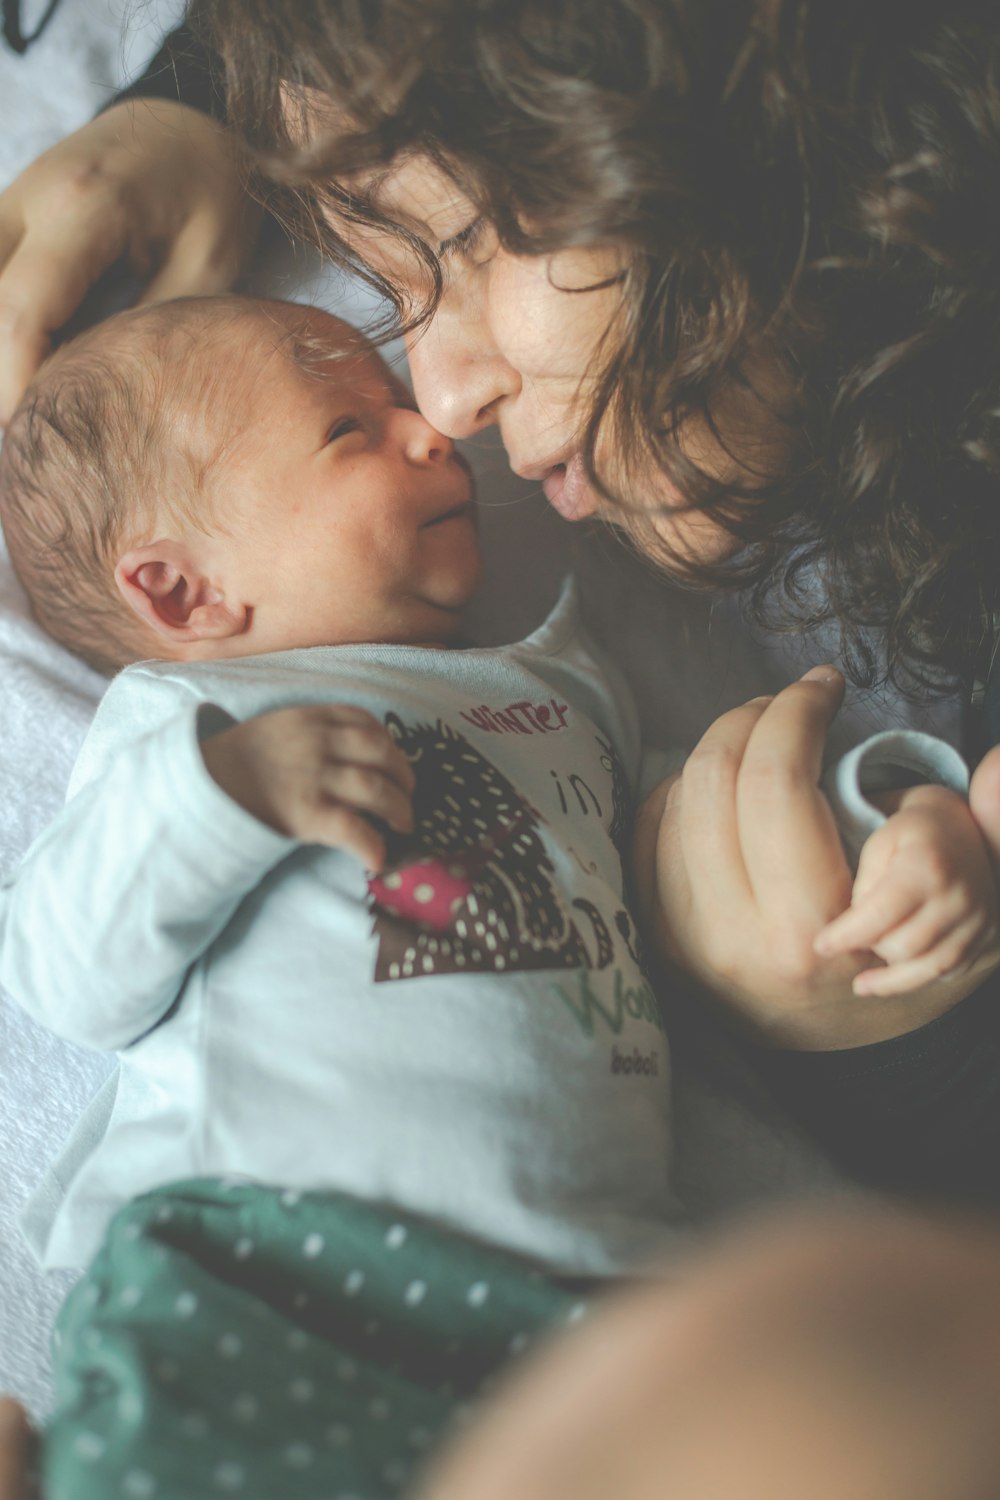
x=465, y=241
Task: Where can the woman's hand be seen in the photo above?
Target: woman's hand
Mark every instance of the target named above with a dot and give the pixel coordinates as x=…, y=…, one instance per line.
x=151, y=183
x=740, y=867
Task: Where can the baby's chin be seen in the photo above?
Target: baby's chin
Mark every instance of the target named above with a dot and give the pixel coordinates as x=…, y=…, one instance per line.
x=452, y=586
x=444, y=625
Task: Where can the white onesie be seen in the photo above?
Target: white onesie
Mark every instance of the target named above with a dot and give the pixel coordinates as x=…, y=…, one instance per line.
x=470, y=1036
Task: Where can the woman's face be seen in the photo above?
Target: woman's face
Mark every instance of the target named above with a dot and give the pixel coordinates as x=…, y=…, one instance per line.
x=514, y=340
x=518, y=341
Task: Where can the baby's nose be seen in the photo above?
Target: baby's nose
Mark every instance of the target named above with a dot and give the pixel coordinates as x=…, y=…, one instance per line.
x=424, y=444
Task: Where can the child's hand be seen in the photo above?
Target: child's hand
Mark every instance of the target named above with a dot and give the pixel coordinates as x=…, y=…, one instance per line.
x=924, y=898
x=317, y=774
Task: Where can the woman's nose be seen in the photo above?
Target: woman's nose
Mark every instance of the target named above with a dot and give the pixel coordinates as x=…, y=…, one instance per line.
x=458, y=377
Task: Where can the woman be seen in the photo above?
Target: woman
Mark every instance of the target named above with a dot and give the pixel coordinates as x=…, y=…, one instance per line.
x=723, y=272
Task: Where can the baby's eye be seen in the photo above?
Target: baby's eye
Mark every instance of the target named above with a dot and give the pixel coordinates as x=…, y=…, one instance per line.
x=342, y=427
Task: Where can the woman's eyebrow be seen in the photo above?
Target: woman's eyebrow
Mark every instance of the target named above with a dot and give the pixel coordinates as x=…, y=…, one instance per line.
x=364, y=195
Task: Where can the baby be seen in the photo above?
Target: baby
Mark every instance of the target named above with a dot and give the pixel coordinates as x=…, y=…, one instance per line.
x=346, y=896
x=297, y=557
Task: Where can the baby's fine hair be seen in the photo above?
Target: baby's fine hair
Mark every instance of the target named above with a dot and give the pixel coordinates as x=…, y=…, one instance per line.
x=93, y=455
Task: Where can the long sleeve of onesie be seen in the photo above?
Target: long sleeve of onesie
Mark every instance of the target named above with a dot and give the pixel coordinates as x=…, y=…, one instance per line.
x=133, y=881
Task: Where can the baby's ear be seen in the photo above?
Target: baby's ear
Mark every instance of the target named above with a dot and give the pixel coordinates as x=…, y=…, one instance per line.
x=165, y=586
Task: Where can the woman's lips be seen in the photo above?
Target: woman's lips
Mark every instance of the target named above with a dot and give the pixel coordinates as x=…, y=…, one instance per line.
x=569, y=491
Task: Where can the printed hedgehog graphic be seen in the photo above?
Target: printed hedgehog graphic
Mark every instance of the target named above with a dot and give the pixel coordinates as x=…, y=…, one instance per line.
x=474, y=889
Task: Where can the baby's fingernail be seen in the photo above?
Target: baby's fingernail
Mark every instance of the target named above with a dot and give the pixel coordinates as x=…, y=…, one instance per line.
x=820, y=674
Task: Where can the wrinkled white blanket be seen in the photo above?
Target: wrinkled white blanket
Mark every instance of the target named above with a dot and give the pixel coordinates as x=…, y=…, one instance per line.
x=46, y=701
x=46, y=697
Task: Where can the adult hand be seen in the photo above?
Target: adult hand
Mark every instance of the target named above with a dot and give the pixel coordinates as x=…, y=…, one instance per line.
x=740, y=867
x=151, y=183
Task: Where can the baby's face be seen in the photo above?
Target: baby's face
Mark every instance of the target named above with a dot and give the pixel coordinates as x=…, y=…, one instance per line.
x=345, y=517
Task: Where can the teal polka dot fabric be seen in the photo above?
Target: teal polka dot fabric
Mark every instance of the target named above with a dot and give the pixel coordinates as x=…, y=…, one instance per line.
x=237, y=1340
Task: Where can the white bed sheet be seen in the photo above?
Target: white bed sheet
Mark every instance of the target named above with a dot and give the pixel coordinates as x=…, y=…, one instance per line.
x=46, y=696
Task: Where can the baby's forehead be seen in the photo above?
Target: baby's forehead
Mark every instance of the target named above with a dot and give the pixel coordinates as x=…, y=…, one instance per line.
x=309, y=336
x=247, y=348
x=325, y=348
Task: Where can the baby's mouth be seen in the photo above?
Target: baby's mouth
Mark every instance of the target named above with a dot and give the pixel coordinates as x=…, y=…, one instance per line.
x=463, y=510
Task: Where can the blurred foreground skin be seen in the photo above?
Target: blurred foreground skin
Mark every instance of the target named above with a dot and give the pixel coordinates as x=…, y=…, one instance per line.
x=834, y=1358
x=16, y=1451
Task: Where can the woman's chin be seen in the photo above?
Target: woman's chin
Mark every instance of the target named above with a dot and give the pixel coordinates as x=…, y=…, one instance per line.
x=569, y=491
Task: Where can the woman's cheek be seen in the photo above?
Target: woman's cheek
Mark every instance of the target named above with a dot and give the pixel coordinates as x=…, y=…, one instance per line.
x=548, y=335
x=691, y=536
x=654, y=513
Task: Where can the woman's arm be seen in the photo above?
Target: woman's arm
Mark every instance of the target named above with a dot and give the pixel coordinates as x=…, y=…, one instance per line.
x=153, y=184
x=917, y=1114
x=184, y=70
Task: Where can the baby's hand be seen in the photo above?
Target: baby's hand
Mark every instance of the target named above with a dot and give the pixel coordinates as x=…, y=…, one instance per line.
x=924, y=898
x=317, y=774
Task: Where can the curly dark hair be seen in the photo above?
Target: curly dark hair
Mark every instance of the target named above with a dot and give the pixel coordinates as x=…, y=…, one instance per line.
x=819, y=179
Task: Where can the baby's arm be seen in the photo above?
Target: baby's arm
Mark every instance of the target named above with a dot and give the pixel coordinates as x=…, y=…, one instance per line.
x=924, y=899
x=146, y=865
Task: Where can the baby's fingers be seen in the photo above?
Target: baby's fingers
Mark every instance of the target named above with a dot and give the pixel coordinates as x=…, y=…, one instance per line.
x=340, y=827
x=368, y=790
x=354, y=736
x=872, y=915
x=923, y=965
